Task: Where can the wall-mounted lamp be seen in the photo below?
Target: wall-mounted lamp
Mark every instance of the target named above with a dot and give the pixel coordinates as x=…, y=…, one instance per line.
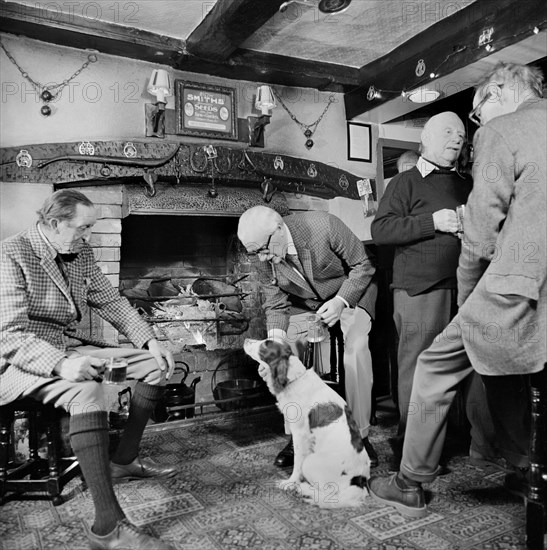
x=159, y=86
x=265, y=102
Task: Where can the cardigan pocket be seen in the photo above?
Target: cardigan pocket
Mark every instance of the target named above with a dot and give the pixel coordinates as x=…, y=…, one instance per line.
x=519, y=285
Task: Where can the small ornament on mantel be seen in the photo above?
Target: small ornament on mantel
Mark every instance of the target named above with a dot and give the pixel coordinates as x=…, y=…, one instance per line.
x=307, y=129
x=45, y=92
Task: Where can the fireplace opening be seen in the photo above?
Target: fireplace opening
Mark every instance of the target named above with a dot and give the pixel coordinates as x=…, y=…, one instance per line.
x=189, y=277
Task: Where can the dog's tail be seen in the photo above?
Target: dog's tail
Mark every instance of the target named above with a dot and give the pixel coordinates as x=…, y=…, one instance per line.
x=349, y=497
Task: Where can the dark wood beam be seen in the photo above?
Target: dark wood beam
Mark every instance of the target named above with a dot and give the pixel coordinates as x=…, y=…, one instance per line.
x=447, y=46
x=74, y=31
x=227, y=25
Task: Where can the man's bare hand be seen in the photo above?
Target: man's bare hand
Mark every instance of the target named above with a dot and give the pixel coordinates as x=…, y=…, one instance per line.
x=445, y=220
x=331, y=311
x=78, y=368
x=163, y=357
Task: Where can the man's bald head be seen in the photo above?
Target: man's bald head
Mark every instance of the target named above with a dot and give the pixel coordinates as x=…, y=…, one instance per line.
x=443, y=137
x=255, y=226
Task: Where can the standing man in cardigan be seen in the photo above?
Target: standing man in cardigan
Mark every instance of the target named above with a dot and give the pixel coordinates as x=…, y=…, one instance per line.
x=312, y=262
x=417, y=214
x=48, y=279
x=500, y=328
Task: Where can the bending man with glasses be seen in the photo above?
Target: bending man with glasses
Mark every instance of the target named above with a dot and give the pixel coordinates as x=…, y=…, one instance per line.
x=312, y=262
x=502, y=291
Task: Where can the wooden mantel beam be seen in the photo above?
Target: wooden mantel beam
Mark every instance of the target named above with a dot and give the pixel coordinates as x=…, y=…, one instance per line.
x=445, y=47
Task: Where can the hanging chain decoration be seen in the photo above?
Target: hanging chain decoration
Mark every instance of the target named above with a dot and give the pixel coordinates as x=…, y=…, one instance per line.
x=50, y=92
x=307, y=129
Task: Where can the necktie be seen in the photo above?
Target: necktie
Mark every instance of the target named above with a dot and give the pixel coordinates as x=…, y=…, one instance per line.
x=62, y=268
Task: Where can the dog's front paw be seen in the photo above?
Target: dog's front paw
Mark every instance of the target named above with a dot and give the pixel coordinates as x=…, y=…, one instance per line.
x=290, y=485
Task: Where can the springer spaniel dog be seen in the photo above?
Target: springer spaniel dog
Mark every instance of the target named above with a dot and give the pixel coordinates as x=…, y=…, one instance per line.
x=330, y=463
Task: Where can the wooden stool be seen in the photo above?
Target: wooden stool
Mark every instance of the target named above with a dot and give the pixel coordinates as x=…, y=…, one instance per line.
x=35, y=474
x=536, y=497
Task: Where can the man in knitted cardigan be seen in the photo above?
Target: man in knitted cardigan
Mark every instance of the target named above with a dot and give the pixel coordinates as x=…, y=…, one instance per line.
x=417, y=214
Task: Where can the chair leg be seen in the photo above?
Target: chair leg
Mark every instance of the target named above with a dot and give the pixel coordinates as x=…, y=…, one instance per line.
x=536, y=505
x=53, y=484
x=6, y=421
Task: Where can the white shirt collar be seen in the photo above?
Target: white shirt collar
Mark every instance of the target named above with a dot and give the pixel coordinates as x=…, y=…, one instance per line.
x=425, y=167
x=46, y=240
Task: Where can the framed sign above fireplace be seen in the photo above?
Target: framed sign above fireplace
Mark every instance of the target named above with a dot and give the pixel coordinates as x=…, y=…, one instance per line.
x=205, y=110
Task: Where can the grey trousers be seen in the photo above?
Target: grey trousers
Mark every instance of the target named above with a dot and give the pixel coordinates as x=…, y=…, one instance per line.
x=439, y=371
x=418, y=319
x=87, y=396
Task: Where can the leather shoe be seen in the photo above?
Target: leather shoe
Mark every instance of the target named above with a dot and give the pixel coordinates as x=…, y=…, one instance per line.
x=125, y=536
x=406, y=497
x=372, y=454
x=516, y=482
x=140, y=468
x=286, y=457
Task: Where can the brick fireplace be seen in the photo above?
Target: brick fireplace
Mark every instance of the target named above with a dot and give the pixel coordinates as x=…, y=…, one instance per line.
x=170, y=240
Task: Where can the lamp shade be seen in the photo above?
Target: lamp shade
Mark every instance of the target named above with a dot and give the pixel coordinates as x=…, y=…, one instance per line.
x=423, y=94
x=265, y=100
x=160, y=84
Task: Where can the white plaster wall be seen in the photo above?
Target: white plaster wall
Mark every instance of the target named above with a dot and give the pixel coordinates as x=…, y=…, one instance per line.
x=106, y=102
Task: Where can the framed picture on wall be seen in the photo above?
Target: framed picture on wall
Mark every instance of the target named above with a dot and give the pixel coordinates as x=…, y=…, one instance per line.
x=205, y=110
x=359, y=142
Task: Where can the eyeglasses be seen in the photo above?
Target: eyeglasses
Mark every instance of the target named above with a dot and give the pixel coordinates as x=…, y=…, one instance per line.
x=474, y=115
x=262, y=249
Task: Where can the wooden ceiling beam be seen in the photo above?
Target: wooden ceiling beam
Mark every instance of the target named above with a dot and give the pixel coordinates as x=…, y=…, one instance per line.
x=227, y=25
x=445, y=47
x=75, y=31
x=68, y=29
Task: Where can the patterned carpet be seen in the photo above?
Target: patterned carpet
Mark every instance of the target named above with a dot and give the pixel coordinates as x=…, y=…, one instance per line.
x=224, y=498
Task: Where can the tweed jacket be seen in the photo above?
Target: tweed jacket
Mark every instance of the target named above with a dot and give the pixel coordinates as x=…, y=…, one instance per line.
x=39, y=312
x=334, y=262
x=502, y=273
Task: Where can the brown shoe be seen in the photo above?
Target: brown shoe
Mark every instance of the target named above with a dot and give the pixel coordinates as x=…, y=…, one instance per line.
x=141, y=468
x=125, y=536
x=407, y=499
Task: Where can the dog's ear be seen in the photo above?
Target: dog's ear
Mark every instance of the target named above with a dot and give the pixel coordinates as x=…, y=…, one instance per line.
x=276, y=355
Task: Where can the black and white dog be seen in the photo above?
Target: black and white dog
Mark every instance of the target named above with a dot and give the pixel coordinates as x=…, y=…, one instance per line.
x=330, y=462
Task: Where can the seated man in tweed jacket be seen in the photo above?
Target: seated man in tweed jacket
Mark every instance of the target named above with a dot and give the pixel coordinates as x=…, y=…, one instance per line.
x=311, y=261
x=48, y=279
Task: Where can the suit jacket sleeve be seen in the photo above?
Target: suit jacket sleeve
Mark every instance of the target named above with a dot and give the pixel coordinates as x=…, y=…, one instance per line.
x=18, y=344
x=276, y=302
x=487, y=206
x=394, y=224
x=351, y=251
x=112, y=307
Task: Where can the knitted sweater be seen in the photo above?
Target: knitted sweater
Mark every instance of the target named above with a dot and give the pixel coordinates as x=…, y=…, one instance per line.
x=424, y=258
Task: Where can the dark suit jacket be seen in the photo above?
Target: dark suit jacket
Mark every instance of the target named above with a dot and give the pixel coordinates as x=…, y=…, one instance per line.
x=334, y=262
x=39, y=313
